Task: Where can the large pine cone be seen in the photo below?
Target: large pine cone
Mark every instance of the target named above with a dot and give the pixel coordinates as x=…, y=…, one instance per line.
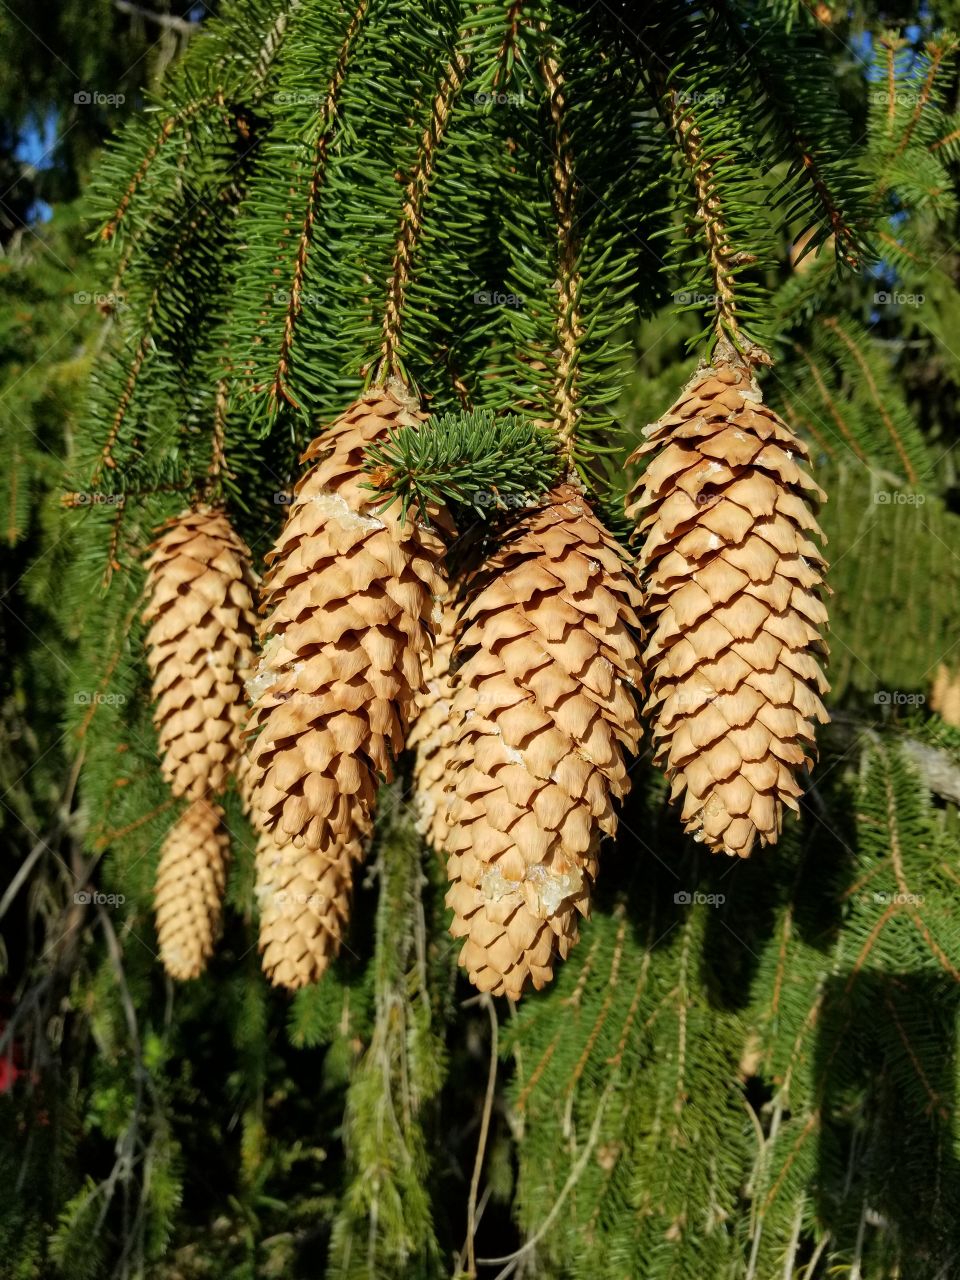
x=189, y=889
x=350, y=598
x=433, y=736
x=734, y=582
x=543, y=710
x=200, y=647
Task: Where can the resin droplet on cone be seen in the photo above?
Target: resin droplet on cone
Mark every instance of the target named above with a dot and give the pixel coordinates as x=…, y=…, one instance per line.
x=544, y=711
x=189, y=889
x=733, y=579
x=200, y=647
x=350, y=597
x=433, y=735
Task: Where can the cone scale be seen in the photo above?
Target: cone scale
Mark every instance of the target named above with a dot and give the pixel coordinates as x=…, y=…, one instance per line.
x=732, y=577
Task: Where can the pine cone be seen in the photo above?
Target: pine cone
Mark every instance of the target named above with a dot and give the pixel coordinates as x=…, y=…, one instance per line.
x=199, y=647
x=734, y=582
x=433, y=736
x=543, y=713
x=189, y=889
x=350, y=597
x=304, y=898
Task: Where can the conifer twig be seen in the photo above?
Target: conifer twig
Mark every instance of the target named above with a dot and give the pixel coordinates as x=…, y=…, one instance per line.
x=279, y=389
x=722, y=257
x=412, y=218
x=487, y=1002
x=569, y=323
x=574, y=1177
x=167, y=130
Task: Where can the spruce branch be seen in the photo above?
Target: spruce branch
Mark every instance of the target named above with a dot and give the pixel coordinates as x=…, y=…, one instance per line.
x=937, y=50
x=845, y=433
x=174, y=122
x=468, y=459
x=723, y=257
x=803, y=122
x=863, y=366
x=280, y=389
x=411, y=224
x=570, y=328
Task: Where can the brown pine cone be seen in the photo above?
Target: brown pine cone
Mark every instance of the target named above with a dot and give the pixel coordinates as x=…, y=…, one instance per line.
x=200, y=647
x=733, y=581
x=433, y=735
x=189, y=889
x=349, y=598
x=543, y=712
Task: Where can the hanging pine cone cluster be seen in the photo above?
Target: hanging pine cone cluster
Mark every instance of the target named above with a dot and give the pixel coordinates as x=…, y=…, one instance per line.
x=200, y=650
x=520, y=712
x=350, y=598
x=543, y=711
x=189, y=889
x=732, y=580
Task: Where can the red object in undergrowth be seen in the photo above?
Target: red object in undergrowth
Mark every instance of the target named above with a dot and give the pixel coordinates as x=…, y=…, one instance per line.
x=9, y=1071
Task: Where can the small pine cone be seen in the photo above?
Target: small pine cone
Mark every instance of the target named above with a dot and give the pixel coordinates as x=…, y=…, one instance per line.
x=734, y=582
x=350, y=595
x=433, y=736
x=304, y=898
x=200, y=647
x=543, y=712
x=189, y=889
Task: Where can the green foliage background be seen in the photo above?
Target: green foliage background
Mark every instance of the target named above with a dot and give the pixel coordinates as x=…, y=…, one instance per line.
x=743, y=1071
